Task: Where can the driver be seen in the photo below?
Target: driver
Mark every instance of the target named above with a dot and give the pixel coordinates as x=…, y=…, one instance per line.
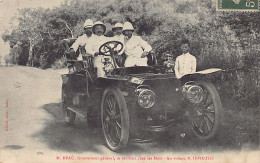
x=92, y=47
x=136, y=48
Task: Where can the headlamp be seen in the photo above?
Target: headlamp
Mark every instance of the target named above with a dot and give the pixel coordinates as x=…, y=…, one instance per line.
x=193, y=93
x=146, y=98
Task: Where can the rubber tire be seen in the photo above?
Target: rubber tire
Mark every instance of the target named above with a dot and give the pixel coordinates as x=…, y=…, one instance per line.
x=69, y=116
x=218, y=112
x=125, y=124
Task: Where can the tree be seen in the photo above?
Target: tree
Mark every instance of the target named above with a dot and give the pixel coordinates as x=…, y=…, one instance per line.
x=16, y=50
x=217, y=38
x=31, y=26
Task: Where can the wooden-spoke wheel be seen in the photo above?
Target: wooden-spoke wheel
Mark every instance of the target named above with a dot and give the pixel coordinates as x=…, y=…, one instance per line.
x=208, y=114
x=115, y=119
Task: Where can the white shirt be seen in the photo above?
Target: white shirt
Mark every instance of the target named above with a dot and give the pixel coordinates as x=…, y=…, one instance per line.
x=81, y=41
x=135, y=46
x=94, y=44
x=185, y=64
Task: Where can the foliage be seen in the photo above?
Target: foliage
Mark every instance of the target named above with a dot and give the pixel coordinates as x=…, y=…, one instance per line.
x=224, y=40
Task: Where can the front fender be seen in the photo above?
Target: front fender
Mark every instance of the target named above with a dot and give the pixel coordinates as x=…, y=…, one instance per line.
x=208, y=71
x=198, y=75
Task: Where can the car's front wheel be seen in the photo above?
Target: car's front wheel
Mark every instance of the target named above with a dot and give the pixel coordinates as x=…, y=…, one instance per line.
x=69, y=116
x=207, y=121
x=115, y=119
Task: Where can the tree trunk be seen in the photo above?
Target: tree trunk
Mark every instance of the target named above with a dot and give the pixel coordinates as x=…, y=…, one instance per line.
x=71, y=30
x=16, y=58
x=30, y=58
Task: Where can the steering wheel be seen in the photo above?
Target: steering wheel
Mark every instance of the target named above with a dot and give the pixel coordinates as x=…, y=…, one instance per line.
x=110, y=47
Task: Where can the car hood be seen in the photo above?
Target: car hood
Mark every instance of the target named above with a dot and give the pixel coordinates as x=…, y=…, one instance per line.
x=165, y=86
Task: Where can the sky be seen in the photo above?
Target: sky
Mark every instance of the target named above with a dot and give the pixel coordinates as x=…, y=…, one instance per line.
x=8, y=9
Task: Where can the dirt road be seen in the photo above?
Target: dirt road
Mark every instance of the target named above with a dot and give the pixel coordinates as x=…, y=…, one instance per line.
x=32, y=128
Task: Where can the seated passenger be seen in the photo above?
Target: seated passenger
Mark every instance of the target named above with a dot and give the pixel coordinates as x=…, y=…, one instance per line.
x=185, y=63
x=82, y=40
x=168, y=62
x=118, y=36
x=136, y=49
x=93, y=45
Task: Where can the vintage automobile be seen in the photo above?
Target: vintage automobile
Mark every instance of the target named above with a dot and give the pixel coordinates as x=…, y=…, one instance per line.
x=130, y=102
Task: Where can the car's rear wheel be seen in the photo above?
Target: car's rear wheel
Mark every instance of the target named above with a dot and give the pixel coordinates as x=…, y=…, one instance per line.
x=208, y=114
x=69, y=116
x=115, y=119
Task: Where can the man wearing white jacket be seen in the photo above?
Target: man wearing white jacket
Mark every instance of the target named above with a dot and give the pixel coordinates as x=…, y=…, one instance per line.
x=83, y=39
x=93, y=44
x=135, y=48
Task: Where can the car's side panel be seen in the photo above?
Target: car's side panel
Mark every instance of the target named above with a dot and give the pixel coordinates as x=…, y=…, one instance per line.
x=78, y=92
x=75, y=82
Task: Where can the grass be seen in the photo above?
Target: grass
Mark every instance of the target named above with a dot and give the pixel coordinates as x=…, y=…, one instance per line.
x=241, y=128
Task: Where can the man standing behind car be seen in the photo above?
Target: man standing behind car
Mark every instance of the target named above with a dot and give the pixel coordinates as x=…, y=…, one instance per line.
x=185, y=63
x=136, y=48
x=93, y=45
x=82, y=40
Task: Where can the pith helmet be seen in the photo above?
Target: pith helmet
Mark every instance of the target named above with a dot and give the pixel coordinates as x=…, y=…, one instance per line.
x=128, y=26
x=99, y=23
x=117, y=25
x=88, y=23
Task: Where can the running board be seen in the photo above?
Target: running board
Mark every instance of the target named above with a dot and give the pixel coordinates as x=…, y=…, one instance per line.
x=148, y=140
x=77, y=110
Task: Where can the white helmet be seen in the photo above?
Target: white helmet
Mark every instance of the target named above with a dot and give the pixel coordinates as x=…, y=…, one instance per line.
x=99, y=23
x=128, y=26
x=118, y=25
x=88, y=23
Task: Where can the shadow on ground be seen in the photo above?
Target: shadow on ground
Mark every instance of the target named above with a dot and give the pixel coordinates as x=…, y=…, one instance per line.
x=13, y=147
x=71, y=138
x=80, y=138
